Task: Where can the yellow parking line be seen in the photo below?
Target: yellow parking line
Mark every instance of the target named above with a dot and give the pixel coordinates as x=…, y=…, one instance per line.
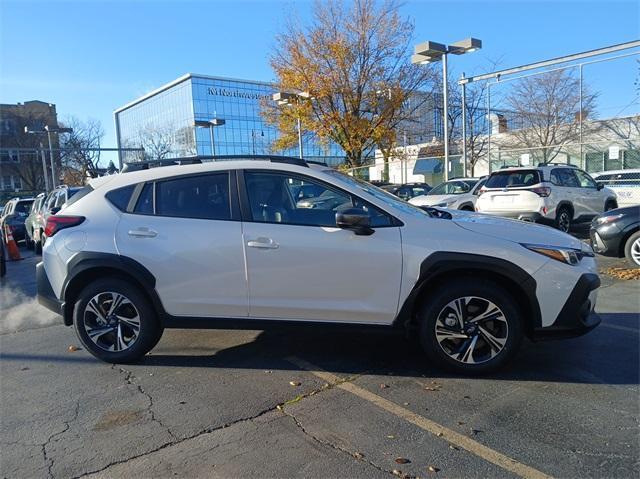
x=422, y=422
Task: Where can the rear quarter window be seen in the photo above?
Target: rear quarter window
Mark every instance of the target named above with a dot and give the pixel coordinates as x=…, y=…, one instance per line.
x=513, y=179
x=120, y=197
x=77, y=194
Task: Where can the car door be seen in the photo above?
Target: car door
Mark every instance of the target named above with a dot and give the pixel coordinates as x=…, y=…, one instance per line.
x=300, y=266
x=593, y=198
x=186, y=231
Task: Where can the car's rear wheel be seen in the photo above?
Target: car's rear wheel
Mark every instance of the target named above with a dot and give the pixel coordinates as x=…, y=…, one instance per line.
x=632, y=250
x=115, y=321
x=563, y=219
x=610, y=205
x=470, y=326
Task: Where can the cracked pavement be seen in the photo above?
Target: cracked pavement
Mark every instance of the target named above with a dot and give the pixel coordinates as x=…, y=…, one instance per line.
x=220, y=404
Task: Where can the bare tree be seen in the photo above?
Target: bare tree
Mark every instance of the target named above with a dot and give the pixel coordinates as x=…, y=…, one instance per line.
x=353, y=61
x=157, y=142
x=80, y=150
x=548, y=108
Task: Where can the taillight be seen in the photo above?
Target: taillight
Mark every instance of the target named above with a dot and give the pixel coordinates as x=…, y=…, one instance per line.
x=57, y=223
x=543, y=191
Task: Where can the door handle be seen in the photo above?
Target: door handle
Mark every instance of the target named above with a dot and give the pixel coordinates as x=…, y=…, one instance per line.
x=263, y=243
x=143, y=233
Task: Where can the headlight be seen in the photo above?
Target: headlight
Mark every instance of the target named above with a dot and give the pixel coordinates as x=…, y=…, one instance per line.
x=603, y=220
x=565, y=255
x=445, y=204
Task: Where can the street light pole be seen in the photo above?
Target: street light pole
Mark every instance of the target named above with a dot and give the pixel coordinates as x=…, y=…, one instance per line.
x=286, y=98
x=54, y=183
x=464, y=129
x=428, y=52
x=300, y=138
x=211, y=124
x=44, y=168
x=445, y=99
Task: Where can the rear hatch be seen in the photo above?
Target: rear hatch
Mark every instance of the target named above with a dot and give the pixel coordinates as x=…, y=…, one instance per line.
x=512, y=190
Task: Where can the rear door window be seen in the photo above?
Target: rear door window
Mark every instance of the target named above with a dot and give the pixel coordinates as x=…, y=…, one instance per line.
x=513, y=179
x=201, y=197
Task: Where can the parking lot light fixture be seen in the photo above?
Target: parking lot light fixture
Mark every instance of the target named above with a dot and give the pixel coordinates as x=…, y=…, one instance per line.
x=211, y=124
x=287, y=99
x=48, y=130
x=428, y=52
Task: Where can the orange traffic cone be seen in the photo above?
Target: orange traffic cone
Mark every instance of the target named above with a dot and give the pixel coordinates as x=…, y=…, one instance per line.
x=12, y=247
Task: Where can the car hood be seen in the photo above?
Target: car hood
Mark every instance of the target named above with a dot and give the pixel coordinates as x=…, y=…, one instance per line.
x=513, y=230
x=430, y=200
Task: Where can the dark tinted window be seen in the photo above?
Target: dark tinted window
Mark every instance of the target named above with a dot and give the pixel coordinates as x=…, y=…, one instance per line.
x=23, y=207
x=120, y=197
x=273, y=199
x=202, y=196
x=144, y=205
x=513, y=178
x=76, y=194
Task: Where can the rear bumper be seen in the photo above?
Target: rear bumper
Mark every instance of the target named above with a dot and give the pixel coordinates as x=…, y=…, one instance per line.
x=531, y=216
x=577, y=316
x=46, y=296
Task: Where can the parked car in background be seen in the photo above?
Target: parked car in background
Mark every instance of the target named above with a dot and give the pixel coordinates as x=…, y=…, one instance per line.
x=51, y=205
x=554, y=194
x=458, y=194
x=3, y=258
x=117, y=266
x=34, y=219
x=407, y=191
x=625, y=184
x=14, y=214
x=617, y=233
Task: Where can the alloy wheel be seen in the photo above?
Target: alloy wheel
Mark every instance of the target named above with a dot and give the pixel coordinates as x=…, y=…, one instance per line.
x=471, y=330
x=111, y=321
x=564, y=222
x=635, y=251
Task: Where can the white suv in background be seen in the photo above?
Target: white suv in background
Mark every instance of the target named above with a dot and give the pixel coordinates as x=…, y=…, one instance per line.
x=554, y=194
x=227, y=245
x=458, y=194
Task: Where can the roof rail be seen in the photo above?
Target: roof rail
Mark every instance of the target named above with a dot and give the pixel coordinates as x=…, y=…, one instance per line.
x=552, y=163
x=189, y=160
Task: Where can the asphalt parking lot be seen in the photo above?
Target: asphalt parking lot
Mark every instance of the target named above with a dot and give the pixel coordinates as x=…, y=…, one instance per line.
x=314, y=404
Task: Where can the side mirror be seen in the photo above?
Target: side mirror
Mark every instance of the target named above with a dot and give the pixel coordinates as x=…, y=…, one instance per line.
x=599, y=186
x=354, y=219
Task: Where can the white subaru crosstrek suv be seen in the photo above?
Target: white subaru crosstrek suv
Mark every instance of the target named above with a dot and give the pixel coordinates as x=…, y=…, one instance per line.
x=224, y=245
x=458, y=194
x=554, y=194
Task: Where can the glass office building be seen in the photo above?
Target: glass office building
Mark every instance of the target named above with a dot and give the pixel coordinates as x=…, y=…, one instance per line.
x=163, y=122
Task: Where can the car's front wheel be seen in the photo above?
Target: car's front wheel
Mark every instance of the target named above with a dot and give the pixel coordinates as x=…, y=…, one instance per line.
x=470, y=326
x=632, y=250
x=563, y=219
x=115, y=321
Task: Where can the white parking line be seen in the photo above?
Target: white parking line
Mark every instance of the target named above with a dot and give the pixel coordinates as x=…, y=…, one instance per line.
x=428, y=425
x=621, y=328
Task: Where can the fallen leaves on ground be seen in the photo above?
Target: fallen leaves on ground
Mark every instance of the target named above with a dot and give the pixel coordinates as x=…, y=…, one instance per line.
x=295, y=383
x=402, y=460
x=623, y=273
x=384, y=386
x=433, y=469
x=73, y=349
x=358, y=455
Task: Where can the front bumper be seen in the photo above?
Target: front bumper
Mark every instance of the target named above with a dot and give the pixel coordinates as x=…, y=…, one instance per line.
x=577, y=316
x=605, y=239
x=46, y=296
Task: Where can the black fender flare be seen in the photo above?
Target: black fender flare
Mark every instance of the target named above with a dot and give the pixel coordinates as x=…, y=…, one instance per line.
x=465, y=264
x=81, y=266
x=569, y=205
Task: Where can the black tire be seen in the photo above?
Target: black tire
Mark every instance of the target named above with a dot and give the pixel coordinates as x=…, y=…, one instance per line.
x=631, y=249
x=564, y=219
x=467, y=208
x=610, y=205
x=37, y=245
x=507, y=328
x=27, y=241
x=135, y=306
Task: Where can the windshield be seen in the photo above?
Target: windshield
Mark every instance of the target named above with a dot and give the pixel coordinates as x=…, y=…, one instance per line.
x=513, y=178
x=378, y=193
x=454, y=187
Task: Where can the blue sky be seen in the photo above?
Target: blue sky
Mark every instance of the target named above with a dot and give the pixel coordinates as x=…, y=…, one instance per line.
x=90, y=57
